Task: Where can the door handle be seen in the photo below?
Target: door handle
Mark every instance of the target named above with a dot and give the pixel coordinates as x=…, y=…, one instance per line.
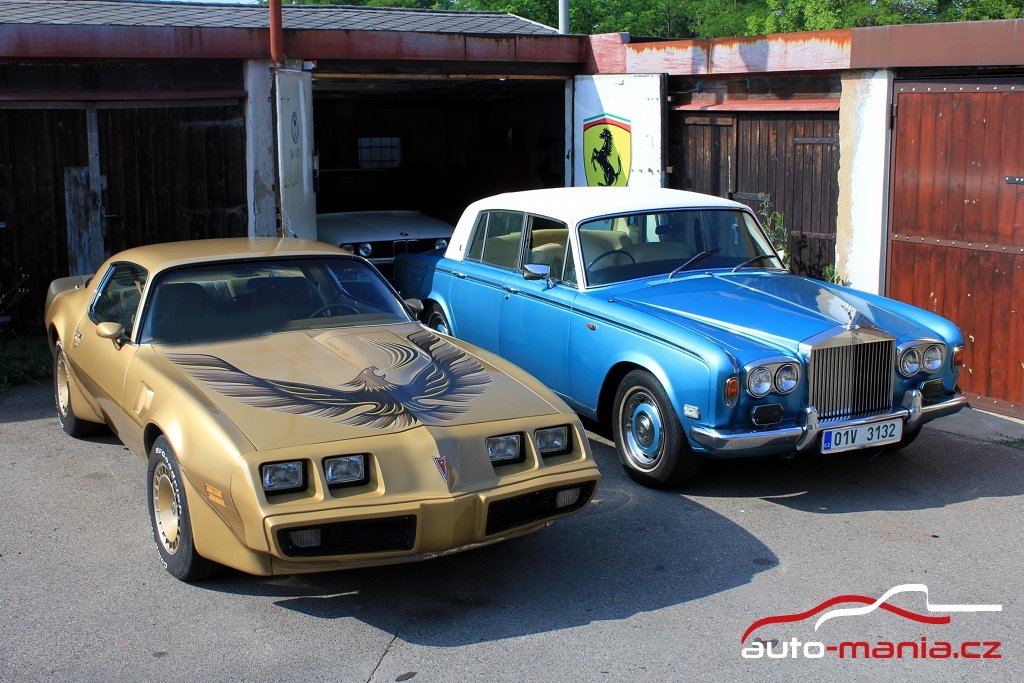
x=461, y=276
x=510, y=290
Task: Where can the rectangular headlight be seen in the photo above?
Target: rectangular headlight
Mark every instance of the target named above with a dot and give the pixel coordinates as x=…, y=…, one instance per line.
x=506, y=448
x=553, y=441
x=346, y=469
x=279, y=477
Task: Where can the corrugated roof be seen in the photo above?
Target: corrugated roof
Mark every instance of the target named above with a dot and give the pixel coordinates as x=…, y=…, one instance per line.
x=296, y=17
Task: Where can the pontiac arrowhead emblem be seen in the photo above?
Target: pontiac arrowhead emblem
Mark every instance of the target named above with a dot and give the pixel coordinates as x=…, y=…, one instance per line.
x=442, y=467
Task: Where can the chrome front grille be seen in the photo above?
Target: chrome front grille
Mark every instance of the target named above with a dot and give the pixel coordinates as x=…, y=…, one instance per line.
x=851, y=376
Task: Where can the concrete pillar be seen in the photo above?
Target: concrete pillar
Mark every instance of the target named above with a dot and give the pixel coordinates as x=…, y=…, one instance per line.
x=864, y=143
x=259, y=149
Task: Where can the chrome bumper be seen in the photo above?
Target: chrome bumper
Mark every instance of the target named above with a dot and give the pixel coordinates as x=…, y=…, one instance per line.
x=913, y=411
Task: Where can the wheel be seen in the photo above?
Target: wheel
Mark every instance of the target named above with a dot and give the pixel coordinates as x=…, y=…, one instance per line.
x=62, y=397
x=611, y=252
x=908, y=438
x=649, y=438
x=436, y=320
x=168, y=513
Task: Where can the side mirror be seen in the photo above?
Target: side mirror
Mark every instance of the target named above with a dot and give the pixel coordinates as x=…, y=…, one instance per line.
x=414, y=305
x=537, y=271
x=112, y=331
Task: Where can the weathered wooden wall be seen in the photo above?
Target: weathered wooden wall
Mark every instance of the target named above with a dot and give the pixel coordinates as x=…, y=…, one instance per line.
x=785, y=162
x=957, y=224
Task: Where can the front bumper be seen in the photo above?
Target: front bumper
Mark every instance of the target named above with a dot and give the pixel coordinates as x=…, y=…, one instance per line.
x=421, y=529
x=913, y=411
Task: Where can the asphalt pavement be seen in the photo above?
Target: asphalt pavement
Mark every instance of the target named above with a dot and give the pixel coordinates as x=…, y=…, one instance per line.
x=641, y=586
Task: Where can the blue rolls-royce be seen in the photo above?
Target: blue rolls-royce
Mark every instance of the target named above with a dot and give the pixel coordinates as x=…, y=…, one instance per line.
x=670, y=315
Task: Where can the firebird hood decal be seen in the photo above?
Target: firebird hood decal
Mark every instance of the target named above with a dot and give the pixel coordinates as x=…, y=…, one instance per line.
x=437, y=393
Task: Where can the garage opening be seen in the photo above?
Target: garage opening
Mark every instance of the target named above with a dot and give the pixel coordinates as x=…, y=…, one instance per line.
x=434, y=144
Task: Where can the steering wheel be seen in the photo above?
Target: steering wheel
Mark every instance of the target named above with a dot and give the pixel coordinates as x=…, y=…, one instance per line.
x=610, y=253
x=336, y=305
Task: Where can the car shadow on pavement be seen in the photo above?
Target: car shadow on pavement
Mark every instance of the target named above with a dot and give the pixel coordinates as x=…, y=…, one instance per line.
x=632, y=551
x=937, y=470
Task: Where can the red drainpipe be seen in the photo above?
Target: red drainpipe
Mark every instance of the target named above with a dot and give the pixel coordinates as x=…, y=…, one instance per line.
x=276, y=33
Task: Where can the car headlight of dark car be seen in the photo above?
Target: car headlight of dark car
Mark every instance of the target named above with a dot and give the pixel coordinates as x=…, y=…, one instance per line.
x=345, y=470
x=506, y=448
x=282, y=477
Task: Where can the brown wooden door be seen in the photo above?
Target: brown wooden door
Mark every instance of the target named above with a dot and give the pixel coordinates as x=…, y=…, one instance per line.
x=956, y=227
x=784, y=163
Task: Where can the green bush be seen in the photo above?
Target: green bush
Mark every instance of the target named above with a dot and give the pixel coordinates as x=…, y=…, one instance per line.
x=24, y=360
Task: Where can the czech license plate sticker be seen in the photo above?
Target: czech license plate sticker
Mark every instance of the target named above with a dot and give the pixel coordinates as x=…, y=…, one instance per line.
x=861, y=436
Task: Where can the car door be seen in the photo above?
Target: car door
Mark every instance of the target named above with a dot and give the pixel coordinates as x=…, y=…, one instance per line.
x=536, y=313
x=477, y=286
x=101, y=363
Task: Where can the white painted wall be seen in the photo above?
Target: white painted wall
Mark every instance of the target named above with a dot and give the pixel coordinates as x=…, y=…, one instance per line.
x=636, y=97
x=863, y=211
x=259, y=150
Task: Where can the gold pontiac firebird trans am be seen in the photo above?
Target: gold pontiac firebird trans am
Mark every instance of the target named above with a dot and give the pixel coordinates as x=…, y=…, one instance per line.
x=295, y=416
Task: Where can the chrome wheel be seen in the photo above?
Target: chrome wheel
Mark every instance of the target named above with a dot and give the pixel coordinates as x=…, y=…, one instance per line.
x=165, y=508
x=649, y=438
x=642, y=429
x=62, y=392
x=437, y=321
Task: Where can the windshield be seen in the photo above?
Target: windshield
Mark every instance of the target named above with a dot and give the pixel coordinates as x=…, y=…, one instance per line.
x=620, y=248
x=238, y=299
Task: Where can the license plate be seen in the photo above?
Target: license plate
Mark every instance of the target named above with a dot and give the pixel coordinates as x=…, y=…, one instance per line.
x=861, y=436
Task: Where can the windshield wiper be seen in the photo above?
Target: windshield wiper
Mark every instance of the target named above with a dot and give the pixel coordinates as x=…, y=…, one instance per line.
x=696, y=257
x=751, y=260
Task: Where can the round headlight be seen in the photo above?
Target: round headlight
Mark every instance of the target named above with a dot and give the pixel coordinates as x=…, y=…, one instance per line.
x=349, y=247
x=933, y=357
x=786, y=378
x=759, y=382
x=365, y=249
x=440, y=243
x=910, y=362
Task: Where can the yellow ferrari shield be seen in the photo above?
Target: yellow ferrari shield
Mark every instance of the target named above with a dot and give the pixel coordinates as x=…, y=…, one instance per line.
x=606, y=139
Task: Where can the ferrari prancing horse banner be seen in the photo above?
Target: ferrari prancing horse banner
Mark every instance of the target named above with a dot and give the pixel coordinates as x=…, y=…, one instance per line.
x=606, y=139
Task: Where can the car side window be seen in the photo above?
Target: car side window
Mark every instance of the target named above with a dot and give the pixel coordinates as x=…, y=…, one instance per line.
x=497, y=239
x=548, y=245
x=119, y=296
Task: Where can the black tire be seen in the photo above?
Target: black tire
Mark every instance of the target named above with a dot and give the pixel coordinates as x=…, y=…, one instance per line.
x=169, y=517
x=74, y=426
x=436, y=320
x=648, y=436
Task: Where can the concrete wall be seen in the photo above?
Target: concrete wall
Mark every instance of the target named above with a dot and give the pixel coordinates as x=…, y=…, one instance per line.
x=259, y=149
x=864, y=143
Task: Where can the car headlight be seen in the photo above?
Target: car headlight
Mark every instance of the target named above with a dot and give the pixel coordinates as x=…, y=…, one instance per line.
x=933, y=357
x=910, y=362
x=440, y=243
x=349, y=248
x=553, y=441
x=365, y=249
x=506, y=448
x=759, y=382
x=786, y=378
x=346, y=469
x=279, y=477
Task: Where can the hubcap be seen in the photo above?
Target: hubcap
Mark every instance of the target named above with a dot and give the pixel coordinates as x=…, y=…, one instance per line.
x=63, y=392
x=642, y=430
x=437, y=323
x=165, y=508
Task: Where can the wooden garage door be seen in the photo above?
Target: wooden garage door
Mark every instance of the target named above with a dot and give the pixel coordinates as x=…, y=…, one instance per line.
x=780, y=162
x=956, y=230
